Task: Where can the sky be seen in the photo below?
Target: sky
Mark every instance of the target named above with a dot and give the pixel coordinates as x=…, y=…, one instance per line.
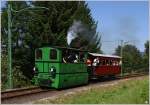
x=2, y=3
x=120, y=20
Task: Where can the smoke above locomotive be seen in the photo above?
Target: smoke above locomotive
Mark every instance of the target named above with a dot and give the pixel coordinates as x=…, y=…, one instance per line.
x=78, y=29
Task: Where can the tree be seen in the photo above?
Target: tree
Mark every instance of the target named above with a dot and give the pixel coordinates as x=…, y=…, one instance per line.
x=19, y=79
x=147, y=49
x=33, y=28
x=131, y=58
x=58, y=20
x=146, y=57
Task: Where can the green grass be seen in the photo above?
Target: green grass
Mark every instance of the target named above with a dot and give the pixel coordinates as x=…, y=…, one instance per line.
x=126, y=92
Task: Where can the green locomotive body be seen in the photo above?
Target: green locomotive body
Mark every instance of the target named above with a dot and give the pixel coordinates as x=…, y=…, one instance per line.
x=54, y=71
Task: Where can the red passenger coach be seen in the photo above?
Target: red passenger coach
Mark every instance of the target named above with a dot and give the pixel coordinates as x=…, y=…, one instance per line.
x=104, y=65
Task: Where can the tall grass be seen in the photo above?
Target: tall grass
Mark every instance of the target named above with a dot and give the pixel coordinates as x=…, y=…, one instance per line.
x=126, y=92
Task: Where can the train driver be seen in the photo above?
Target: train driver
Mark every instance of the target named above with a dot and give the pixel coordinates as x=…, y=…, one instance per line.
x=76, y=59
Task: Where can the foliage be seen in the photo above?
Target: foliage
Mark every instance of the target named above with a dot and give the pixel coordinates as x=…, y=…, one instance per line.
x=4, y=66
x=58, y=20
x=147, y=48
x=134, y=91
x=146, y=57
x=19, y=80
x=131, y=58
x=15, y=27
x=18, y=59
x=30, y=29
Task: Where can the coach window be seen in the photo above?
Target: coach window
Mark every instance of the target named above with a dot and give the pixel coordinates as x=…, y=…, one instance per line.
x=100, y=62
x=53, y=54
x=110, y=62
x=113, y=63
x=38, y=54
x=117, y=63
x=107, y=62
x=103, y=62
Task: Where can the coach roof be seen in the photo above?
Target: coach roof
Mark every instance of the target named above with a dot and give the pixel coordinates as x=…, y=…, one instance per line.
x=104, y=55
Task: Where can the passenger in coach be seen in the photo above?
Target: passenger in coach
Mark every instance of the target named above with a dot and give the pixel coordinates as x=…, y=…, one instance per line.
x=88, y=62
x=120, y=63
x=114, y=63
x=95, y=64
x=96, y=61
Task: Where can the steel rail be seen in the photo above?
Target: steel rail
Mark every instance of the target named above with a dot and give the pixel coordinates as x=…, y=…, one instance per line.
x=20, y=92
x=132, y=75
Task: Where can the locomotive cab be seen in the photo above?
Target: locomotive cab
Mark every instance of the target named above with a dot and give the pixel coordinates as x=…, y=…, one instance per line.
x=46, y=60
x=59, y=67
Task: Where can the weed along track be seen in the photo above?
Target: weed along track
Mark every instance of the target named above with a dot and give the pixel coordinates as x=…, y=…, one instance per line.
x=29, y=95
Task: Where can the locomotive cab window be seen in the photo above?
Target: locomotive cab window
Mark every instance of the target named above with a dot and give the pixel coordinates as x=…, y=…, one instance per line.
x=53, y=54
x=39, y=54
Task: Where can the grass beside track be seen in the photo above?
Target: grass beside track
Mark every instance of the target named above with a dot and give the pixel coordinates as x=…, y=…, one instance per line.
x=134, y=91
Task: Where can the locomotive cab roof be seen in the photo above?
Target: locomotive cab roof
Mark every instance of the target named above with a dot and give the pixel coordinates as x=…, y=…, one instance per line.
x=64, y=48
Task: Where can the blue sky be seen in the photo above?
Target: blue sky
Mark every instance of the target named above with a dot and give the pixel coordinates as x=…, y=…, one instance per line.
x=3, y=2
x=120, y=20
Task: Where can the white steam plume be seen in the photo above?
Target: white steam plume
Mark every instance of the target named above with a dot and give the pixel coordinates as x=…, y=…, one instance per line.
x=73, y=30
x=79, y=30
x=70, y=36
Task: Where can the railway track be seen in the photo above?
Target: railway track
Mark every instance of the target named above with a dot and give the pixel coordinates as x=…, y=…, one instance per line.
x=20, y=92
x=25, y=92
x=132, y=75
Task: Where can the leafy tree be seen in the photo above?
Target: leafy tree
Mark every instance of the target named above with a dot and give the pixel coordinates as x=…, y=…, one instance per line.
x=19, y=79
x=33, y=28
x=146, y=57
x=58, y=20
x=4, y=66
x=131, y=58
x=147, y=48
